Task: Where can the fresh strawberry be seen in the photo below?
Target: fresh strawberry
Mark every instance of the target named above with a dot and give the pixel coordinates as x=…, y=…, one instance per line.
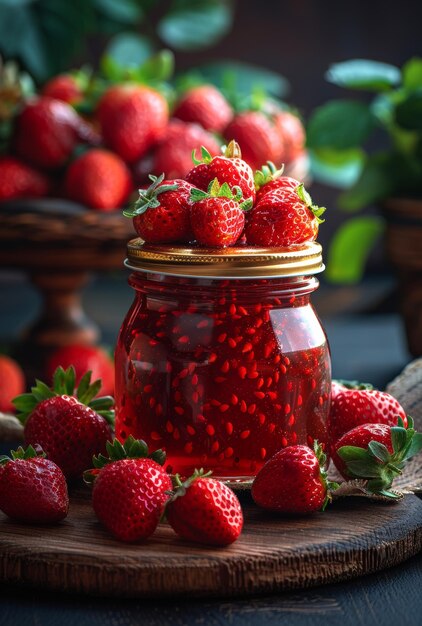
x=132, y=118
x=206, y=106
x=292, y=134
x=32, y=488
x=376, y=453
x=12, y=383
x=84, y=359
x=229, y=168
x=294, y=480
x=269, y=178
x=70, y=425
x=18, y=180
x=216, y=216
x=63, y=87
x=162, y=212
x=283, y=217
x=359, y=403
x=99, y=179
x=129, y=489
x=336, y=388
x=204, y=510
x=173, y=154
x=257, y=136
x=47, y=131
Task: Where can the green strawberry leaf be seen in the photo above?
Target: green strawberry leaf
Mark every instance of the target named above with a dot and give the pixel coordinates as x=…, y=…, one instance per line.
x=398, y=438
x=415, y=446
x=352, y=453
x=379, y=451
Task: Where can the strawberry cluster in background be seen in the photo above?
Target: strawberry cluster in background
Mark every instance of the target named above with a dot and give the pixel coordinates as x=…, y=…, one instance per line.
x=94, y=139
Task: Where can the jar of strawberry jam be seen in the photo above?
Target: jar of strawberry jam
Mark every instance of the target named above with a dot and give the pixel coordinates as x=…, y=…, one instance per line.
x=221, y=360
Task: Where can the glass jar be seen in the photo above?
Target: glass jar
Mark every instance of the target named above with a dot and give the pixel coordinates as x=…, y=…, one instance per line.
x=221, y=360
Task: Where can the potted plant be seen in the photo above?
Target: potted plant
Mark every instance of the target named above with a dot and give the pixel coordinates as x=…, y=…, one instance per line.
x=371, y=147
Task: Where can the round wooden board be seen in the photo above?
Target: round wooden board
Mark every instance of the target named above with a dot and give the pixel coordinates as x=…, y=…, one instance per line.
x=353, y=538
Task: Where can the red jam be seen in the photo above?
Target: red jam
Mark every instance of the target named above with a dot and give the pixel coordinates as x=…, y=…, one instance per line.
x=222, y=373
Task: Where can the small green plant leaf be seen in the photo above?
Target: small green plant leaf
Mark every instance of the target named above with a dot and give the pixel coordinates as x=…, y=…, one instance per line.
x=350, y=249
x=124, y=52
x=123, y=11
x=409, y=112
x=364, y=74
x=377, y=181
x=379, y=450
x=339, y=168
x=340, y=125
x=157, y=68
x=398, y=438
x=412, y=74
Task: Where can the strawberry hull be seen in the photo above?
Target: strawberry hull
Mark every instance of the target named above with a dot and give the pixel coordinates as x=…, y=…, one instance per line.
x=222, y=373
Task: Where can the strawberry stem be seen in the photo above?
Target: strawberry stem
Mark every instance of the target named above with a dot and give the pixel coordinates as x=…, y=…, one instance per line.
x=148, y=198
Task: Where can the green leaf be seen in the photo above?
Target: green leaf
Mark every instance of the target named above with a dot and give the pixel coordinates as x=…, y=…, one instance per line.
x=379, y=451
x=195, y=24
x=362, y=469
x=340, y=124
x=412, y=74
x=409, y=112
x=125, y=51
x=364, y=74
x=123, y=11
x=159, y=67
x=398, y=438
x=375, y=183
x=415, y=446
x=350, y=248
x=352, y=453
x=339, y=168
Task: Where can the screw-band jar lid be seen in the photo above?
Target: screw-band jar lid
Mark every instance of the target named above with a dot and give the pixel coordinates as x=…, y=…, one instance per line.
x=233, y=262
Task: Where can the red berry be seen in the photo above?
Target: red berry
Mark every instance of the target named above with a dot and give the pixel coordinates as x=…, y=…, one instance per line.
x=132, y=119
x=360, y=436
x=12, y=383
x=162, y=213
x=206, y=511
x=283, y=182
x=32, y=489
x=47, y=131
x=257, y=136
x=129, y=497
x=292, y=481
x=84, y=359
x=99, y=179
x=63, y=87
x=206, y=106
x=18, y=180
x=352, y=407
x=292, y=134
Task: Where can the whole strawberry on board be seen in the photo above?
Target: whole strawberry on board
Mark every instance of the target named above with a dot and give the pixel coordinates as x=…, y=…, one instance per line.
x=284, y=217
x=228, y=168
x=129, y=490
x=377, y=453
x=19, y=180
x=218, y=215
x=132, y=118
x=357, y=403
x=205, y=105
x=162, y=212
x=47, y=132
x=98, y=179
x=294, y=481
x=204, y=510
x=84, y=359
x=71, y=425
x=33, y=489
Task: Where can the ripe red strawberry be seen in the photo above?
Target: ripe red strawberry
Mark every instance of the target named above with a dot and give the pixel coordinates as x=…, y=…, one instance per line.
x=292, y=134
x=84, y=359
x=173, y=154
x=257, y=136
x=18, y=180
x=283, y=217
x=162, y=212
x=229, y=168
x=206, y=106
x=12, y=383
x=361, y=404
x=63, y=87
x=70, y=425
x=294, y=480
x=217, y=218
x=269, y=178
x=132, y=118
x=32, y=488
x=377, y=453
x=47, y=132
x=130, y=489
x=204, y=510
x=98, y=179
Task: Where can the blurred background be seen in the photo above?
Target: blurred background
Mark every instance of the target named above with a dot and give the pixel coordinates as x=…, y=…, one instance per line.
x=255, y=52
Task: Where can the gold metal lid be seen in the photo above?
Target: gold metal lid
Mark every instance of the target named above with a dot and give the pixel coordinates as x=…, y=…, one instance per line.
x=234, y=262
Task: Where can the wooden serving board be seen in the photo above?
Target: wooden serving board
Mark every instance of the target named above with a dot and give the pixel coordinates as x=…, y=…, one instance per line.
x=354, y=537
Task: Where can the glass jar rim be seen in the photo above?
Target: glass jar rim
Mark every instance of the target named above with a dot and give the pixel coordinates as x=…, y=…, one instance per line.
x=235, y=262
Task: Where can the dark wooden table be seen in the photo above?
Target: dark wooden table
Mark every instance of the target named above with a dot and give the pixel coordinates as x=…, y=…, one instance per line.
x=368, y=346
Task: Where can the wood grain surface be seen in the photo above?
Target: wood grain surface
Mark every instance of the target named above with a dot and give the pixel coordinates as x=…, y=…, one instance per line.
x=273, y=553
